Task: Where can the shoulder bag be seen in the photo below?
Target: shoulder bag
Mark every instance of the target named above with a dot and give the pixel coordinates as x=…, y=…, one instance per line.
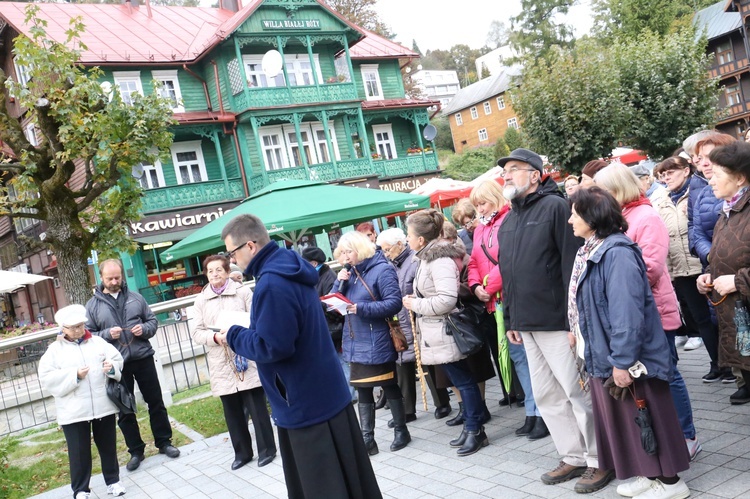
x=465, y=327
x=122, y=398
x=397, y=335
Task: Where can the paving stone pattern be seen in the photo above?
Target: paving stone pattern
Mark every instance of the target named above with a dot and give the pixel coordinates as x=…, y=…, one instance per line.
x=428, y=468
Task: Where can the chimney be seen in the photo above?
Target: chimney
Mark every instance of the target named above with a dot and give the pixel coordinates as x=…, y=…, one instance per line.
x=233, y=5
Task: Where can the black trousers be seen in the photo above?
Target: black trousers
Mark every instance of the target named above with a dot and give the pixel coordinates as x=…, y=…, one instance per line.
x=697, y=315
x=144, y=372
x=406, y=374
x=78, y=438
x=440, y=397
x=237, y=408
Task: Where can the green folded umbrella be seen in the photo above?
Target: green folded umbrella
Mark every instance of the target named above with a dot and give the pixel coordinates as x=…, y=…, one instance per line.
x=502, y=343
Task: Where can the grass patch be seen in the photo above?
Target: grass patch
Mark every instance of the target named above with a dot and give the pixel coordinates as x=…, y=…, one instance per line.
x=192, y=392
x=205, y=415
x=40, y=463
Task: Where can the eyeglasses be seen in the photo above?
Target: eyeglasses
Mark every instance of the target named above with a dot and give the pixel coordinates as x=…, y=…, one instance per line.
x=511, y=171
x=230, y=254
x=468, y=224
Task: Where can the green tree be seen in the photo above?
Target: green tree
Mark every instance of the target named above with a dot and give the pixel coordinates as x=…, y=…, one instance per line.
x=572, y=108
x=485, y=72
x=443, y=140
x=415, y=47
x=502, y=148
x=362, y=13
x=81, y=128
x=629, y=18
x=471, y=164
x=498, y=34
x=668, y=91
x=513, y=138
x=536, y=29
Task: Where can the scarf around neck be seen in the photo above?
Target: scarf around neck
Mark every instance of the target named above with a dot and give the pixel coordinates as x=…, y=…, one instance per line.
x=676, y=195
x=638, y=202
x=221, y=289
x=728, y=205
x=583, y=254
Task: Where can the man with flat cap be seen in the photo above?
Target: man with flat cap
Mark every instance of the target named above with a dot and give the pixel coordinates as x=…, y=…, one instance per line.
x=537, y=250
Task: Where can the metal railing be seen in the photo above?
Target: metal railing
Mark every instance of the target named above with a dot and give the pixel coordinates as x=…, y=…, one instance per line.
x=23, y=403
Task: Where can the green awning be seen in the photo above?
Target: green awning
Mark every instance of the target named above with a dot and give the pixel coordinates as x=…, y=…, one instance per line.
x=291, y=208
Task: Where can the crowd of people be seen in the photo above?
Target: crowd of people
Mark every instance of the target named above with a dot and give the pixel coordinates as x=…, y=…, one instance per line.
x=584, y=287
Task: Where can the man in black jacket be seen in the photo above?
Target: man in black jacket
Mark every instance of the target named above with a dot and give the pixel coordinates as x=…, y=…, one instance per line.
x=123, y=318
x=537, y=250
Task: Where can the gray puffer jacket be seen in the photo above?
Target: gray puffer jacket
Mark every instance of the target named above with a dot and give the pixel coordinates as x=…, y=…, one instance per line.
x=436, y=288
x=104, y=313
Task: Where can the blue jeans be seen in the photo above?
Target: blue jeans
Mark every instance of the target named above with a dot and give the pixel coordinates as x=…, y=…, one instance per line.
x=461, y=377
x=518, y=355
x=680, y=393
x=345, y=368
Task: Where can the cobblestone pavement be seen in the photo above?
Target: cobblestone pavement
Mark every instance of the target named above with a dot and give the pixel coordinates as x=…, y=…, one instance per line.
x=510, y=467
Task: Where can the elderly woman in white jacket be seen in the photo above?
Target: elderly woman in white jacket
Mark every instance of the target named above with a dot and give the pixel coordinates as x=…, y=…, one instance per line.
x=436, y=294
x=233, y=379
x=74, y=370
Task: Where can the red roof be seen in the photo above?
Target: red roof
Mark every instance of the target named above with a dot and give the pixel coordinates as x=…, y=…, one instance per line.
x=119, y=34
x=396, y=103
x=374, y=46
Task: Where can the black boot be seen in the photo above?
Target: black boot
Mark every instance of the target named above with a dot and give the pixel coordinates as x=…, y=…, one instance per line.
x=475, y=440
x=486, y=416
x=401, y=435
x=381, y=401
x=459, y=419
x=539, y=431
x=527, y=426
x=367, y=422
x=459, y=442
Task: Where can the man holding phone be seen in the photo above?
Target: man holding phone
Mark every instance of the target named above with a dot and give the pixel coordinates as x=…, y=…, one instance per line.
x=123, y=318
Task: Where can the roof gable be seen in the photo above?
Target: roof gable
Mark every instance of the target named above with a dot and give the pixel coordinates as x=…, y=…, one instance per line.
x=716, y=21
x=374, y=46
x=481, y=90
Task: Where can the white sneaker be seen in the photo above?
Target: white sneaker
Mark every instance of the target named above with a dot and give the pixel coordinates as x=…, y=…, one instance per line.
x=83, y=495
x=659, y=490
x=693, y=343
x=638, y=486
x=679, y=341
x=694, y=447
x=116, y=489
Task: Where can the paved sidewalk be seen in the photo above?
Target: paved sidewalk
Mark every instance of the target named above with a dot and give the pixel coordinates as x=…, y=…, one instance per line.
x=510, y=467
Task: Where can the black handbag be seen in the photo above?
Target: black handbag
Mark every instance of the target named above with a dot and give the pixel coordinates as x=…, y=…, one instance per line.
x=466, y=328
x=122, y=398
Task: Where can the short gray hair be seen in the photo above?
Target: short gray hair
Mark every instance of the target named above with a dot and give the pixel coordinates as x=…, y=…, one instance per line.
x=392, y=237
x=690, y=143
x=246, y=228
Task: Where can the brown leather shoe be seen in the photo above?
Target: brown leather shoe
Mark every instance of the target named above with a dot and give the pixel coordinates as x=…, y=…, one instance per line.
x=593, y=479
x=562, y=473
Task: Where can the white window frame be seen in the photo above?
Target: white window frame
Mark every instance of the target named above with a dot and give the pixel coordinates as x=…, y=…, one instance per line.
x=371, y=69
x=189, y=146
x=317, y=126
x=381, y=145
x=127, y=77
x=459, y=119
x=147, y=177
x=263, y=81
x=282, y=158
x=487, y=108
x=22, y=73
x=22, y=223
x=170, y=75
x=733, y=94
x=287, y=137
x=513, y=123
x=474, y=112
x=30, y=132
x=500, y=103
x=482, y=132
x=290, y=140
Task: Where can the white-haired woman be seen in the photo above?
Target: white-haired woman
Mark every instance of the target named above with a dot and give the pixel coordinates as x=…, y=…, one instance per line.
x=75, y=371
x=371, y=284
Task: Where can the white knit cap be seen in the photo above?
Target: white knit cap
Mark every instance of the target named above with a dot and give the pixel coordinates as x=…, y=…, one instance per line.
x=71, y=315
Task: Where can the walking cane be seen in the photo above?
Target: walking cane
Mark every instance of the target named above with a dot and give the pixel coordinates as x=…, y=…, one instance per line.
x=420, y=372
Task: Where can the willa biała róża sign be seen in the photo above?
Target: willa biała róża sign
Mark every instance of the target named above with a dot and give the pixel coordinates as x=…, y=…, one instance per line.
x=286, y=24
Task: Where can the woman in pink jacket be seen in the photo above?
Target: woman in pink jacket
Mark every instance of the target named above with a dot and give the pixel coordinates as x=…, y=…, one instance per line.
x=647, y=229
x=487, y=285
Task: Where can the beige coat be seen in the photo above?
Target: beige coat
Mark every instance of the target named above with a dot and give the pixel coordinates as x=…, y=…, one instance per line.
x=436, y=287
x=680, y=263
x=208, y=308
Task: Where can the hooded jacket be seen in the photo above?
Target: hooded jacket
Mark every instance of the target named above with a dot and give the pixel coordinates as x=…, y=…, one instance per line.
x=617, y=314
x=289, y=341
x=208, y=308
x=649, y=232
x=79, y=400
x=436, y=286
x=367, y=337
x=104, y=313
x=537, y=251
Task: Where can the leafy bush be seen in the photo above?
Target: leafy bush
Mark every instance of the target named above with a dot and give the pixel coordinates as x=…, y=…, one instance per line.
x=471, y=163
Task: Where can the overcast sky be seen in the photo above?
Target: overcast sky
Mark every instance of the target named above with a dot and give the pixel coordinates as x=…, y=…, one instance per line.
x=440, y=24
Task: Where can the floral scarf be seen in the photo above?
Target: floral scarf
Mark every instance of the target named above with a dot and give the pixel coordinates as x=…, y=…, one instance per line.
x=579, y=265
x=728, y=205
